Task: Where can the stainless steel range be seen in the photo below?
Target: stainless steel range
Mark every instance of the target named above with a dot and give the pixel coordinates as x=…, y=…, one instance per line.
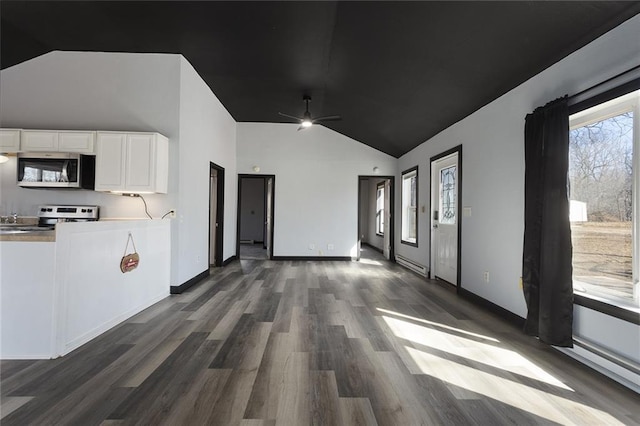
x=49, y=215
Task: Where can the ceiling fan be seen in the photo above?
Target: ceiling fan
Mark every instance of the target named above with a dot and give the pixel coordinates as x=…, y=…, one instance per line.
x=306, y=120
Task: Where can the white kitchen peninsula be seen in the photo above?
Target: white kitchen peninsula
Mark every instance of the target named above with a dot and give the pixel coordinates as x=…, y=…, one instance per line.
x=56, y=296
x=27, y=298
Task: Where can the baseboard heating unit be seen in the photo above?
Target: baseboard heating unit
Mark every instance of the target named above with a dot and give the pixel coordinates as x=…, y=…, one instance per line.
x=410, y=264
x=614, y=366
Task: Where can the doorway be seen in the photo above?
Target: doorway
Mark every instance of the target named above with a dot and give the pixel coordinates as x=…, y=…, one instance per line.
x=256, y=206
x=446, y=193
x=216, y=214
x=376, y=215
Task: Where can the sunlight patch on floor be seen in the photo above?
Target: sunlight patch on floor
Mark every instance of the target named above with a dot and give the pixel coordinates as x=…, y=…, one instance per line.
x=473, y=350
x=437, y=324
x=509, y=392
x=370, y=262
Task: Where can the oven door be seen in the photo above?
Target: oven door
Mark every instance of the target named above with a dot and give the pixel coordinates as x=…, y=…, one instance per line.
x=55, y=170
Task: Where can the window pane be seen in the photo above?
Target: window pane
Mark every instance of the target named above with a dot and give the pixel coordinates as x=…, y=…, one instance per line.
x=601, y=213
x=411, y=224
x=414, y=194
x=410, y=206
x=380, y=210
x=448, y=195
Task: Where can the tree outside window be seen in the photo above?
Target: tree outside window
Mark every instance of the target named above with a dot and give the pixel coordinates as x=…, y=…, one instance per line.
x=380, y=209
x=410, y=206
x=602, y=141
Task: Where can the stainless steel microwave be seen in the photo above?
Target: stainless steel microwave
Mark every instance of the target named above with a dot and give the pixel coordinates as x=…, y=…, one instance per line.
x=56, y=170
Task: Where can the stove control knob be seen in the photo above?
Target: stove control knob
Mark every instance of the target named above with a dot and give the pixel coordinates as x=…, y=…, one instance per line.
x=84, y=210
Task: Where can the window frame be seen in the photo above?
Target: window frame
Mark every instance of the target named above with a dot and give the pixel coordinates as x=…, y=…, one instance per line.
x=408, y=174
x=380, y=211
x=625, y=310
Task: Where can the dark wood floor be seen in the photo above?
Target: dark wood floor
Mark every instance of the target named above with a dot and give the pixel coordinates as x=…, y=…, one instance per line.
x=301, y=343
x=253, y=252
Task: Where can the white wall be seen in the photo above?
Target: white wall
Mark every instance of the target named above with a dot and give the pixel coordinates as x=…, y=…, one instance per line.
x=493, y=173
x=316, y=185
x=207, y=134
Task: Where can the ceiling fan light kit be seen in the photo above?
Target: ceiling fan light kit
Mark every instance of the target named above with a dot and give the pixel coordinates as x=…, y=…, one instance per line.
x=307, y=120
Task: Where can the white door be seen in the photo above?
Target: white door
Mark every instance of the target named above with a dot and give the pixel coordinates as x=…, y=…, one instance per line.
x=444, y=215
x=386, y=250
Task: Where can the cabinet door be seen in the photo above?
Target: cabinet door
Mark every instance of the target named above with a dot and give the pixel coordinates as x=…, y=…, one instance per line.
x=140, y=168
x=39, y=140
x=110, y=161
x=9, y=140
x=161, y=164
x=76, y=142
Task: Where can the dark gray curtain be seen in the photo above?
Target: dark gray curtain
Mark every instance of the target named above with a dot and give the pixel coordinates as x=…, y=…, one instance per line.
x=546, y=259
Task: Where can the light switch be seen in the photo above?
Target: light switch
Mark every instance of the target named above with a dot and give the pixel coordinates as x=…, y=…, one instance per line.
x=466, y=211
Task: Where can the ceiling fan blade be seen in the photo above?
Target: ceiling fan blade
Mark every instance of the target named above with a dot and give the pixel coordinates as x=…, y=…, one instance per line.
x=290, y=116
x=328, y=118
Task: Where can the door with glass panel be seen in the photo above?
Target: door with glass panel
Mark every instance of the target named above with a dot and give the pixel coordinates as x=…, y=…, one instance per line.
x=444, y=215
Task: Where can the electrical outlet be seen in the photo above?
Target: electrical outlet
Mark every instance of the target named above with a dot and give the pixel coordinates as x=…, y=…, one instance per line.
x=330, y=247
x=312, y=246
x=172, y=213
x=485, y=276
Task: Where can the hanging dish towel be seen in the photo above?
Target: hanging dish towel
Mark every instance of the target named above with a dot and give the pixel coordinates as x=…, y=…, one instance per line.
x=129, y=261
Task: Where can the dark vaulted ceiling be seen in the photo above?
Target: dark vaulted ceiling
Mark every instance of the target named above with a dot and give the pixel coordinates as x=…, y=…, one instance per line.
x=397, y=72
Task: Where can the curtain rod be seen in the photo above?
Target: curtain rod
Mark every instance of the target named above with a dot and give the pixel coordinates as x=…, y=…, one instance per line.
x=574, y=98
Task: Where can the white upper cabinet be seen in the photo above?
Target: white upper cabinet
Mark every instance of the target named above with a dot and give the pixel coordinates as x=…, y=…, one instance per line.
x=9, y=140
x=77, y=141
x=132, y=162
x=39, y=140
x=110, y=161
x=58, y=141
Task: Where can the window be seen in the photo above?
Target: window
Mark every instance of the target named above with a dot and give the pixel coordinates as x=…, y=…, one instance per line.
x=380, y=209
x=410, y=206
x=603, y=197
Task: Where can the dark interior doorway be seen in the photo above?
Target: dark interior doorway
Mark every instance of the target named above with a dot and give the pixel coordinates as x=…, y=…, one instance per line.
x=255, y=217
x=216, y=214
